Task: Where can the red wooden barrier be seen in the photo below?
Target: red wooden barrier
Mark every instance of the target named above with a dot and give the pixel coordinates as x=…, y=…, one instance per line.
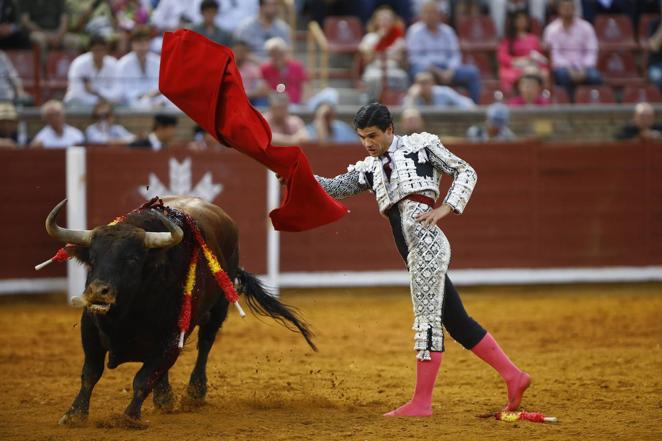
x=535, y=206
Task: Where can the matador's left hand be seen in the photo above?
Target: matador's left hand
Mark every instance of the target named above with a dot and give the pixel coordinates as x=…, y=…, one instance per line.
x=432, y=217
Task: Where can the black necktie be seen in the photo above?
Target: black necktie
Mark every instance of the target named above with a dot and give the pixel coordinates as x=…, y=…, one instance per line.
x=387, y=166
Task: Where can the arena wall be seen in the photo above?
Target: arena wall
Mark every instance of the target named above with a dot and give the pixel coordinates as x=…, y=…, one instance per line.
x=537, y=206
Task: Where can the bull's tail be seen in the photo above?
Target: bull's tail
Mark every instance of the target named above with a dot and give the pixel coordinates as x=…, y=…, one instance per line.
x=262, y=302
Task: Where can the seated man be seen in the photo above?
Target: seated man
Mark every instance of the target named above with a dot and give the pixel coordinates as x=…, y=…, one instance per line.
x=138, y=73
x=104, y=130
x=326, y=128
x=11, y=87
x=433, y=46
x=56, y=134
x=255, y=86
x=424, y=92
x=47, y=23
x=286, y=129
x=574, y=48
x=93, y=76
x=162, y=134
x=257, y=30
x=411, y=121
x=495, y=127
x=12, y=35
x=8, y=126
x=642, y=126
x=208, y=28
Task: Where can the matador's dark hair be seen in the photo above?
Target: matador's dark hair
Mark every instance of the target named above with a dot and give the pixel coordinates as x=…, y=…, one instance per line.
x=373, y=114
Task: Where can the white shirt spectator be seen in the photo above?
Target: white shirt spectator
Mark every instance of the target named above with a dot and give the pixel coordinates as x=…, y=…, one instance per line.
x=49, y=139
x=102, y=81
x=231, y=13
x=169, y=13
x=104, y=133
x=136, y=83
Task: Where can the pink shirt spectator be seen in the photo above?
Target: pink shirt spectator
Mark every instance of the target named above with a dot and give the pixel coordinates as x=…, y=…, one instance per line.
x=293, y=76
x=522, y=47
x=519, y=101
x=575, y=47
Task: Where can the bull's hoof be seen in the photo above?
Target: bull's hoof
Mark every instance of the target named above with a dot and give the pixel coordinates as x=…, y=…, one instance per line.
x=164, y=402
x=73, y=419
x=122, y=421
x=189, y=403
x=196, y=392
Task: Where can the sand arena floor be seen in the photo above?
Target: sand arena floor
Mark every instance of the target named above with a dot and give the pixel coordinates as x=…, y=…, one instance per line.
x=593, y=351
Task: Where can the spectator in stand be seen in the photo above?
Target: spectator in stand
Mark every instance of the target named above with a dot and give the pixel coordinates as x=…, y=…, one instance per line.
x=642, y=126
x=208, y=27
x=266, y=25
x=424, y=92
x=56, y=133
x=11, y=87
x=232, y=13
x=592, y=8
x=47, y=22
x=495, y=127
x=529, y=91
x=104, y=130
x=91, y=17
x=11, y=34
x=282, y=72
x=286, y=129
x=325, y=128
x=138, y=73
x=129, y=14
x=574, y=48
x=93, y=76
x=203, y=140
x=162, y=135
x=433, y=46
x=519, y=50
x=255, y=86
x=411, y=121
x=383, y=52
x=8, y=126
x=168, y=16
x=499, y=10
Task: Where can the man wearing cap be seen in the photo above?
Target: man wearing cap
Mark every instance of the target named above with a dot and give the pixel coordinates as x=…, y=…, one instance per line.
x=495, y=127
x=404, y=174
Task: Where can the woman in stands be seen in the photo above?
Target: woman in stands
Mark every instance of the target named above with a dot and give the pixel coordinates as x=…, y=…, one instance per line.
x=383, y=52
x=520, y=50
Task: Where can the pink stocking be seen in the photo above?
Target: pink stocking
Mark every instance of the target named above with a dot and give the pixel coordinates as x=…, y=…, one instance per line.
x=421, y=402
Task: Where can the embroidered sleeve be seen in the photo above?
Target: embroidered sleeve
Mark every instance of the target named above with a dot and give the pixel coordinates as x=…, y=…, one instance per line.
x=464, y=176
x=345, y=185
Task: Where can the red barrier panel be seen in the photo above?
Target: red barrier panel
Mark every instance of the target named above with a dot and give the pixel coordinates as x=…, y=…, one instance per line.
x=535, y=206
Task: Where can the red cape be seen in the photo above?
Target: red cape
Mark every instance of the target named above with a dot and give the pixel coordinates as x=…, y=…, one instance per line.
x=202, y=79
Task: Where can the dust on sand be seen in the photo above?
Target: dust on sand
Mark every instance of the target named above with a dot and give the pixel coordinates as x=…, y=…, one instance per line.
x=593, y=351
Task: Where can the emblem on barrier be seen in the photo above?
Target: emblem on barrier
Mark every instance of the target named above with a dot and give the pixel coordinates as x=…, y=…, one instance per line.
x=181, y=183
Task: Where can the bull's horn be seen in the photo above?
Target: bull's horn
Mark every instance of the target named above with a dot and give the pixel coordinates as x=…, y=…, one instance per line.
x=76, y=237
x=164, y=240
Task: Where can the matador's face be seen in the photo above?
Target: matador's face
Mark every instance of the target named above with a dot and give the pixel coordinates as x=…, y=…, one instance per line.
x=375, y=140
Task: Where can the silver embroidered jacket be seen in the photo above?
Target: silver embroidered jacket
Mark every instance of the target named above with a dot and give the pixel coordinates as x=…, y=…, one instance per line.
x=417, y=162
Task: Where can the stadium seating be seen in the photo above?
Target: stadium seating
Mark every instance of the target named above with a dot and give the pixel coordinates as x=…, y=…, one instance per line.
x=483, y=62
x=618, y=68
x=57, y=67
x=595, y=95
x=559, y=95
x=636, y=94
x=343, y=33
x=614, y=32
x=476, y=33
x=26, y=63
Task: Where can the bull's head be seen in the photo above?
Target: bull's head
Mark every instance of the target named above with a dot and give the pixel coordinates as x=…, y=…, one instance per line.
x=115, y=256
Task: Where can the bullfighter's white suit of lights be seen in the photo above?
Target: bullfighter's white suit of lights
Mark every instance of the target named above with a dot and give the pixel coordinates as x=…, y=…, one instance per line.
x=417, y=162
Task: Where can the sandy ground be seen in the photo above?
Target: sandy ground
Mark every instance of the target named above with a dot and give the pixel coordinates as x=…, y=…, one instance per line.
x=593, y=351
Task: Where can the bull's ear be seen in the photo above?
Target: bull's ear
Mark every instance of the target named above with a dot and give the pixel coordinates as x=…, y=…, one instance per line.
x=81, y=254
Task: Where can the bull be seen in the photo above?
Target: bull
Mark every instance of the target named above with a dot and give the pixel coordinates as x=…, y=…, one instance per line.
x=133, y=296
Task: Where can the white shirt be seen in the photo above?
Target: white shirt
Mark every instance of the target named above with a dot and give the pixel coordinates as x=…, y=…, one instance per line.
x=136, y=82
x=168, y=13
x=101, y=133
x=49, y=139
x=155, y=142
x=103, y=81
